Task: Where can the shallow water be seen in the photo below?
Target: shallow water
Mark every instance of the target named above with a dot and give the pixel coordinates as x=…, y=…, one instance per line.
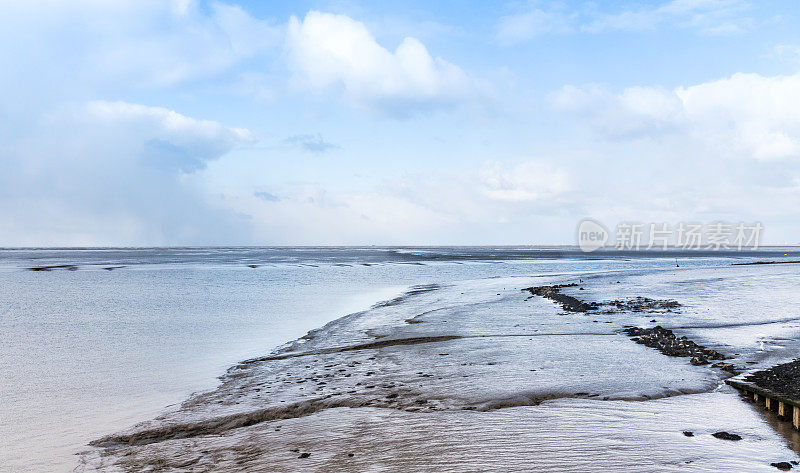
x=92, y=351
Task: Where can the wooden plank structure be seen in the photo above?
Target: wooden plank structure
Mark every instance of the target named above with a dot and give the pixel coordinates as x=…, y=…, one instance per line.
x=788, y=409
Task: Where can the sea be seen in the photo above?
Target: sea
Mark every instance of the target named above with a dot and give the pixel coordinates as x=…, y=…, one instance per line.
x=94, y=340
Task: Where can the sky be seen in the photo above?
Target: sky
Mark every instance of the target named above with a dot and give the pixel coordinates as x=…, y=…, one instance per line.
x=151, y=123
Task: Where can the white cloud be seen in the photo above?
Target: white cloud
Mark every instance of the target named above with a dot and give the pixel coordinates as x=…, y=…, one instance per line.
x=334, y=51
x=315, y=144
x=756, y=113
x=112, y=173
x=436, y=208
x=744, y=115
x=789, y=53
x=635, y=112
x=727, y=149
x=142, y=44
x=529, y=181
x=534, y=22
x=75, y=170
x=197, y=140
x=706, y=16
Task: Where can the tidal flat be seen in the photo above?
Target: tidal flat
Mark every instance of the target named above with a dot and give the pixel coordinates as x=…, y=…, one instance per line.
x=484, y=375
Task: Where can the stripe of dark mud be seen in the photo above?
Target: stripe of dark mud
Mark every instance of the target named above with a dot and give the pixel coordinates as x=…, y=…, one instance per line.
x=362, y=346
x=408, y=341
x=217, y=425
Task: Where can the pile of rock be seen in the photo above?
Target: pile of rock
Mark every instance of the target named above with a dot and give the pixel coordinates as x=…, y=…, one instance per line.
x=781, y=379
x=568, y=303
x=645, y=304
x=665, y=341
x=573, y=304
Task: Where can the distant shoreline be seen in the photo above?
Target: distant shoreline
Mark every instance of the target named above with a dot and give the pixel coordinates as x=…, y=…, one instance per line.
x=764, y=262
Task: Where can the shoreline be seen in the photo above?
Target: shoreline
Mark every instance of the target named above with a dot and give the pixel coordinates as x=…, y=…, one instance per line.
x=379, y=360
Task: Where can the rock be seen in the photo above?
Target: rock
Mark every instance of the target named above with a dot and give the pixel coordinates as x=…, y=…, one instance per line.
x=665, y=341
x=68, y=267
x=783, y=466
x=782, y=379
x=726, y=436
x=568, y=303
x=725, y=367
x=688, y=433
x=304, y=455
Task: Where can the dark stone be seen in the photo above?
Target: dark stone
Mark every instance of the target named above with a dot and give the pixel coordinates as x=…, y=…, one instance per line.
x=665, y=341
x=783, y=466
x=68, y=267
x=726, y=436
x=304, y=455
x=568, y=303
x=644, y=304
x=688, y=433
x=725, y=367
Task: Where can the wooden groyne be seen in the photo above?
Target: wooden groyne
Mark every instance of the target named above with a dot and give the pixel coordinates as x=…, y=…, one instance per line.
x=787, y=409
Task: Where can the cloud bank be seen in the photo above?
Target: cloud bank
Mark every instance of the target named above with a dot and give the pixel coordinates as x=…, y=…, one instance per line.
x=742, y=115
x=334, y=51
x=112, y=173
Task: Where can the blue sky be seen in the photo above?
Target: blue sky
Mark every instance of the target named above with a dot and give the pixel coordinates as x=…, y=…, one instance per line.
x=192, y=123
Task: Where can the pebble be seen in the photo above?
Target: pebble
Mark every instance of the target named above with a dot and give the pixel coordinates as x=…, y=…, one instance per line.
x=783, y=466
x=726, y=436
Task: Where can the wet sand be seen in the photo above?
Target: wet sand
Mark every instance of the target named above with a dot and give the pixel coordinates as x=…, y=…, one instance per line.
x=475, y=376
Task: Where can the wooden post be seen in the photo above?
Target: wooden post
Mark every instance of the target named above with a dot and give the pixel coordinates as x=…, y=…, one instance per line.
x=781, y=409
x=755, y=397
x=796, y=417
x=768, y=404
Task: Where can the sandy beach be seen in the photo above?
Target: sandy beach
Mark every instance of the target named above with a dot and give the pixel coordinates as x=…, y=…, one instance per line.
x=488, y=375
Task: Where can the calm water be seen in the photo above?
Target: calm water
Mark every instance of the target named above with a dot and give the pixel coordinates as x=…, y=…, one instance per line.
x=88, y=351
